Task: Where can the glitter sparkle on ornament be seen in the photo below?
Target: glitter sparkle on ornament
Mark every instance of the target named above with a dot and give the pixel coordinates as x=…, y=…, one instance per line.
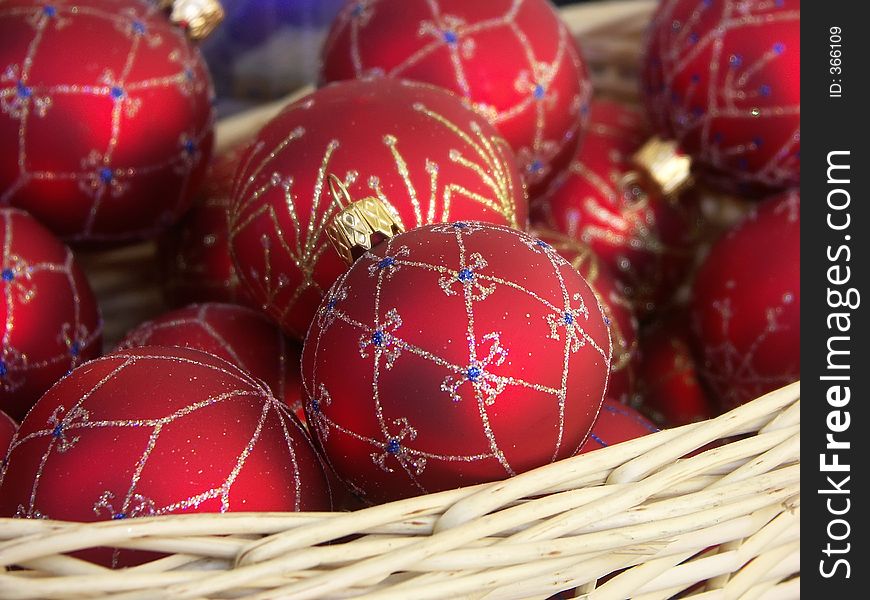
x=515, y=62
x=489, y=364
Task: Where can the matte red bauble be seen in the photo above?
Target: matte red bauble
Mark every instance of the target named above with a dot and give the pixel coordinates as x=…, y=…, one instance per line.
x=196, y=255
x=746, y=304
x=451, y=355
x=50, y=318
x=237, y=334
x=514, y=61
x=618, y=311
x=723, y=79
x=645, y=240
x=158, y=430
x=105, y=117
x=671, y=392
x=8, y=427
x=615, y=424
x=416, y=147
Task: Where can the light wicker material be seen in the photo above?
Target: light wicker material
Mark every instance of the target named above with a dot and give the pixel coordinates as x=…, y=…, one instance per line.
x=724, y=523
x=637, y=506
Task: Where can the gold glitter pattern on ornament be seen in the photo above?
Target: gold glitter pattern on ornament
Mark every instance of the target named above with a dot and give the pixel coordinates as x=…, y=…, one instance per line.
x=144, y=334
x=533, y=82
x=730, y=371
x=729, y=95
x=19, y=280
x=102, y=176
x=487, y=352
x=306, y=240
x=584, y=261
x=67, y=427
x=634, y=228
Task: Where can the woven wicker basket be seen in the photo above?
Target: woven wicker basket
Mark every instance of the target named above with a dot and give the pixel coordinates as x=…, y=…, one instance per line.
x=645, y=519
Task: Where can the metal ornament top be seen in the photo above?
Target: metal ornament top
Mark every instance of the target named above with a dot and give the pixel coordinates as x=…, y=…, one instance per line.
x=665, y=164
x=197, y=17
x=359, y=225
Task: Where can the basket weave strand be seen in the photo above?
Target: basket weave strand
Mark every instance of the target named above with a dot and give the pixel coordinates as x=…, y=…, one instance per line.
x=557, y=527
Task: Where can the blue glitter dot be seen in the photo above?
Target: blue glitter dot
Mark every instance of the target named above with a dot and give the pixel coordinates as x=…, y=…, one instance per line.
x=542, y=244
x=693, y=38
x=569, y=318
x=473, y=373
x=584, y=110
x=696, y=78
x=23, y=91
x=358, y=10
x=779, y=3
x=707, y=3
x=598, y=439
x=106, y=175
x=607, y=321
x=779, y=48
x=331, y=304
x=393, y=446
x=119, y=516
x=75, y=348
x=8, y=274
x=139, y=27
x=3, y=369
x=536, y=166
x=315, y=406
x=540, y=91
x=465, y=275
x=117, y=92
x=460, y=225
x=717, y=138
x=735, y=61
x=764, y=90
x=190, y=146
x=757, y=141
x=698, y=111
x=49, y=11
x=188, y=74
x=57, y=431
x=385, y=262
x=450, y=37
x=378, y=337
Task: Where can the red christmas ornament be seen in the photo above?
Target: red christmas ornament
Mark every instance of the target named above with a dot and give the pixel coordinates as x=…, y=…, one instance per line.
x=8, y=427
x=451, y=355
x=617, y=309
x=615, y=424
x=105, y=116
x=746, y=310
x=154, y=431
x=196, y=255
x=723, y=79
x=414, y=146
x=513, y=61
x=644, y=239
x=670, y=382
x=50, y=319
x=236, y=334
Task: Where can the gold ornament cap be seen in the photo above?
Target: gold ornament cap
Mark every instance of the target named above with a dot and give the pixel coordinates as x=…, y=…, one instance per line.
x=197, y=17
x=662, y=162
x=360, y=224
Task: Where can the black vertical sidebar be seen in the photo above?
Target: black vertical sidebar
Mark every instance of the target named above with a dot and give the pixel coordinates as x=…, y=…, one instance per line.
x=835, y=260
